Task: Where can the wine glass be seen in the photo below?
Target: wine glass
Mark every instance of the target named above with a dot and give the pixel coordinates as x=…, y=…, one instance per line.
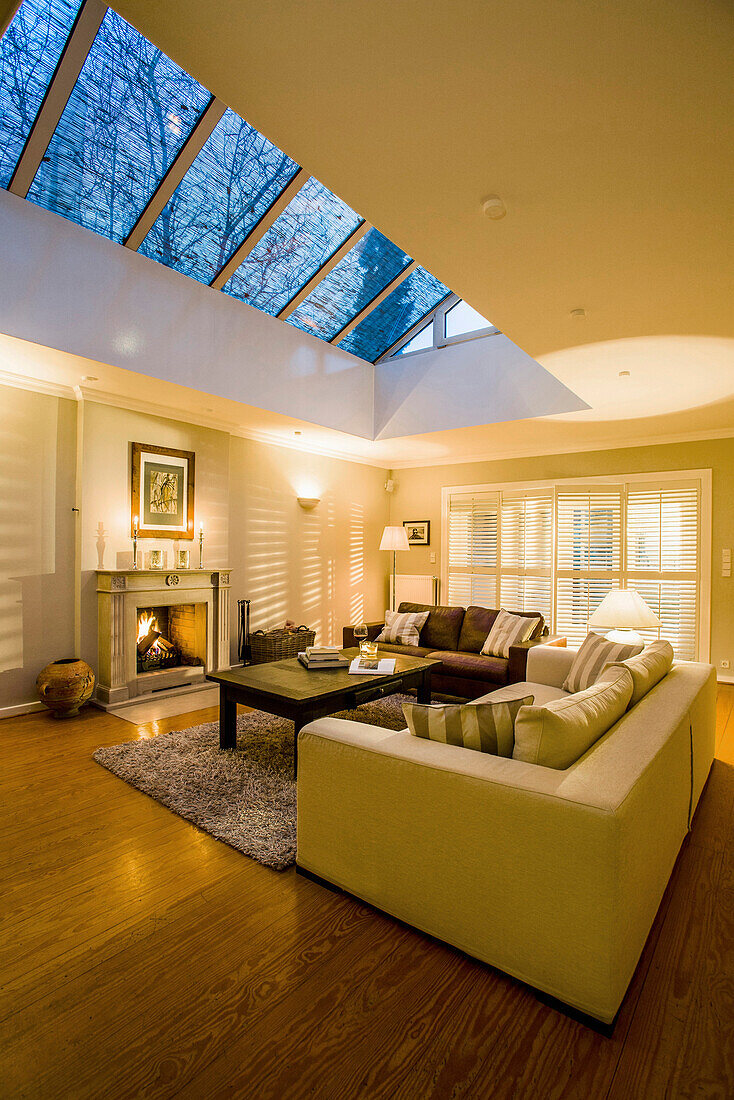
x=361, y=633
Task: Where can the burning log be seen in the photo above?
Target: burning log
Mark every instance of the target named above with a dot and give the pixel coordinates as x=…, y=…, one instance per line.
x=145, y=643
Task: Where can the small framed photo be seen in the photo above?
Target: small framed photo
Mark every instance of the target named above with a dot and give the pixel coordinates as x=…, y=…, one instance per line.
x=419, y=531
x=162, y=496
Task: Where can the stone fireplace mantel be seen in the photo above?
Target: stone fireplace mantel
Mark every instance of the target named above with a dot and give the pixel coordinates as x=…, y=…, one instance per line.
x=121, y=594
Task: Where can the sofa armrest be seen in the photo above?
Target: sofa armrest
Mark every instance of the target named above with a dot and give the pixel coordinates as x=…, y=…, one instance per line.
x=348, y=639
x=518, y=662
x=549, y=664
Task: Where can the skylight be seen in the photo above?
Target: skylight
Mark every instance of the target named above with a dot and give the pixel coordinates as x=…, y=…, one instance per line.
x=129, y=114
x=29, y=53
x=420, y=342
x=135, y=121
x=415, y=297
x=233, y=181
x=355, y=281
x=307, y=234
x=462, y=319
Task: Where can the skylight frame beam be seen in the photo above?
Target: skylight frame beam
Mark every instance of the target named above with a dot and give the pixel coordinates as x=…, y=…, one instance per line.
x=366, y=310
x=258, y=231
x=9, y=16
x=74, y=54
x=440, y=308
x=187, y=154
x=326, y=268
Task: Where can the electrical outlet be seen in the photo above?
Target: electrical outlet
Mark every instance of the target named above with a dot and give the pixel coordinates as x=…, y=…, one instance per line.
x=724, y=664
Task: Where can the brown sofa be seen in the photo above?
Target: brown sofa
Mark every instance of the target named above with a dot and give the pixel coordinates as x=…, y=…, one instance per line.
x=456, y=635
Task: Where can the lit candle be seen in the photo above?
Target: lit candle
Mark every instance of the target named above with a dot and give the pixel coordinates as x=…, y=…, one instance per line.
x=135, y=525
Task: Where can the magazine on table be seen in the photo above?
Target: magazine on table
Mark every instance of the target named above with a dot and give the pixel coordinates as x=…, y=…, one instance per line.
x=372, y=666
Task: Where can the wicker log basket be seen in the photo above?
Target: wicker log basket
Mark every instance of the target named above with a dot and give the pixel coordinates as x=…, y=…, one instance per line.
x=277, y=645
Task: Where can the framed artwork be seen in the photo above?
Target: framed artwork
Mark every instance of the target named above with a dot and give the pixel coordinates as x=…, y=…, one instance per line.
x=419, y=531
x=162, y=497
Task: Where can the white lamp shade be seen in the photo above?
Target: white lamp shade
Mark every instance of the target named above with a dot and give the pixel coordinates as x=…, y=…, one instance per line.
x=394, y=538
x=624, y=609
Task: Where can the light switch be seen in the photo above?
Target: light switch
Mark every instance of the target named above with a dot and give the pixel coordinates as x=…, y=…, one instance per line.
x=726, y=562
x=433, y=559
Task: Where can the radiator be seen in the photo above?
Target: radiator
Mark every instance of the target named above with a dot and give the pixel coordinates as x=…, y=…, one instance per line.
x=415, y=588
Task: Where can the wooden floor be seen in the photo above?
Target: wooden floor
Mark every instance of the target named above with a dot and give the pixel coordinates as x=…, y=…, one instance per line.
x=142, y=958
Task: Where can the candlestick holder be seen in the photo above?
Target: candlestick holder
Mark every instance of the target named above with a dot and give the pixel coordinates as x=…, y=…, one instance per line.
x=201, y=549
x=135, y=549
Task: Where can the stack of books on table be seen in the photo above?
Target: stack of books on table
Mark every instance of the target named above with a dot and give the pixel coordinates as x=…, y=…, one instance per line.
x=323, y=656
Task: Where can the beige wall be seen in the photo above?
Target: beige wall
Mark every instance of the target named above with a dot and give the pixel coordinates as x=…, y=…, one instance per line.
x=320, y=567
x=37, y=459
x=418, y=496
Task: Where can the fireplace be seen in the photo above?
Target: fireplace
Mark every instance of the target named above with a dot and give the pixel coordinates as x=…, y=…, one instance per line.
x=159, y=631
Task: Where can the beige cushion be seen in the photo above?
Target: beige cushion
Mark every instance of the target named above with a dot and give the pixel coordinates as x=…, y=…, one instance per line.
x=558, y=734
x=647, y=669
x=403, y=628
x=486, y=727
x=508, y=629
x=593, y=656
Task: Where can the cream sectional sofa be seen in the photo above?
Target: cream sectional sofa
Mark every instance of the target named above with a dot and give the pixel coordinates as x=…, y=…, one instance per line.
x=554, y=877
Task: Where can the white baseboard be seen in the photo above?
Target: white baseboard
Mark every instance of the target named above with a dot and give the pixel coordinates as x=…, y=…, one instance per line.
x=21, y=708
x=724, y=678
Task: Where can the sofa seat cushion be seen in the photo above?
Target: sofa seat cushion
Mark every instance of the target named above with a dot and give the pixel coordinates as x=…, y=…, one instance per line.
x=558, y=734
x=542, y=693
x=488, y=727
x=472, y=666
x=442, y=627
x=409, y=650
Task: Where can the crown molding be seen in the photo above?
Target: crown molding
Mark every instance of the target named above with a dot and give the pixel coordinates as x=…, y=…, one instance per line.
x=601, y=444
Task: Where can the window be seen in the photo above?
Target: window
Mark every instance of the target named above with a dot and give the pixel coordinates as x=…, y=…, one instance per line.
x=462, y=319
x=363, y=274
x=559, y=549
x=130, y=112
x=308, y=232
x=420, y=342
x=29, y=52
x=409, y=303
x=235, y=178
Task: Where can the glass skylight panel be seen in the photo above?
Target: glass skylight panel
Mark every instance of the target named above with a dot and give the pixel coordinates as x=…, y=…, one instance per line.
x=414, y=298
x=420, y=342
x=130, y=112
x=29, y=53
x=355, y=281
x=233, y=181
x=462, y=319
x=307, y=234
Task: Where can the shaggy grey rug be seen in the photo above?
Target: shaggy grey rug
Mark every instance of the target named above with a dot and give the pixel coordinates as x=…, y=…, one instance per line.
x=244, y=796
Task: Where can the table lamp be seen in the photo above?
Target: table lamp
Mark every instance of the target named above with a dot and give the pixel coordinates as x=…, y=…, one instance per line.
x=622, y=613
x=394, y=538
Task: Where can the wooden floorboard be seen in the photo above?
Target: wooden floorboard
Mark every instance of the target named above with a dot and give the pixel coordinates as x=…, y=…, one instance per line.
x=140, y=957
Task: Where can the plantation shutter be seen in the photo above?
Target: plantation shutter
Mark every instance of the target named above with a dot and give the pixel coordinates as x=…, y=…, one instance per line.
x=473, y=549
x=663, y=534
x=527, y=552
x=588, y=554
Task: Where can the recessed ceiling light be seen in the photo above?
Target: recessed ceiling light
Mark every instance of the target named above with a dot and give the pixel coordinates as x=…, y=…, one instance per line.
x=493, y=207
x=578, y=314
x=624, y=374
x=297, y=433
x=90, y=378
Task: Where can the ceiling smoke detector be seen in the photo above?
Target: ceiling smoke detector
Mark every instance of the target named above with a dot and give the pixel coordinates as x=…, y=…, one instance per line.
x=493, y=207
x=578, y=314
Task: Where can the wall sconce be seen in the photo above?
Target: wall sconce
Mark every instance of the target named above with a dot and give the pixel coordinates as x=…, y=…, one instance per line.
x=307, y=503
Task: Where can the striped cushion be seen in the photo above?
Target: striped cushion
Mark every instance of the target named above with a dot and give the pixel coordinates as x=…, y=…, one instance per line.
x=403, y=628
x=508, y=629
x=595, y=653
x=486, y=727
x=647, y=669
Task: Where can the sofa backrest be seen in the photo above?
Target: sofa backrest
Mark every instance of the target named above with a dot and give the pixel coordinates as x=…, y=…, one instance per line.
x=478, y=623
x=442, y=627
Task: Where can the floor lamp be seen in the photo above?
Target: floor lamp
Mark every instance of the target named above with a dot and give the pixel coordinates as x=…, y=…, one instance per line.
x=394, y=538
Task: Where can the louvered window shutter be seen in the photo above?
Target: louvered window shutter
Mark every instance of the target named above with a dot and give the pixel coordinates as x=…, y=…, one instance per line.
x=526, y=541
x=588, y=554
x=472, y=549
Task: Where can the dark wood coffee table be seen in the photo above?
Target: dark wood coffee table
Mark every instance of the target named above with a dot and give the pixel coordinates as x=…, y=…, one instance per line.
x=289, y=690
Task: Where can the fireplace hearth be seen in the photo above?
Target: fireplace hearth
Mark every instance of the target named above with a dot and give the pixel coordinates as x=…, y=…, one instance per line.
x=159, y=631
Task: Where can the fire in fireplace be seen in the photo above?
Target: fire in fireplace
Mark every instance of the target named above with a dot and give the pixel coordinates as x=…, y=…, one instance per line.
x=155, y=649
x=171, y=636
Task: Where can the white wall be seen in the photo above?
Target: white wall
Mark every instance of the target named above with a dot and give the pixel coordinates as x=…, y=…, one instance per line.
x=67, y=288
